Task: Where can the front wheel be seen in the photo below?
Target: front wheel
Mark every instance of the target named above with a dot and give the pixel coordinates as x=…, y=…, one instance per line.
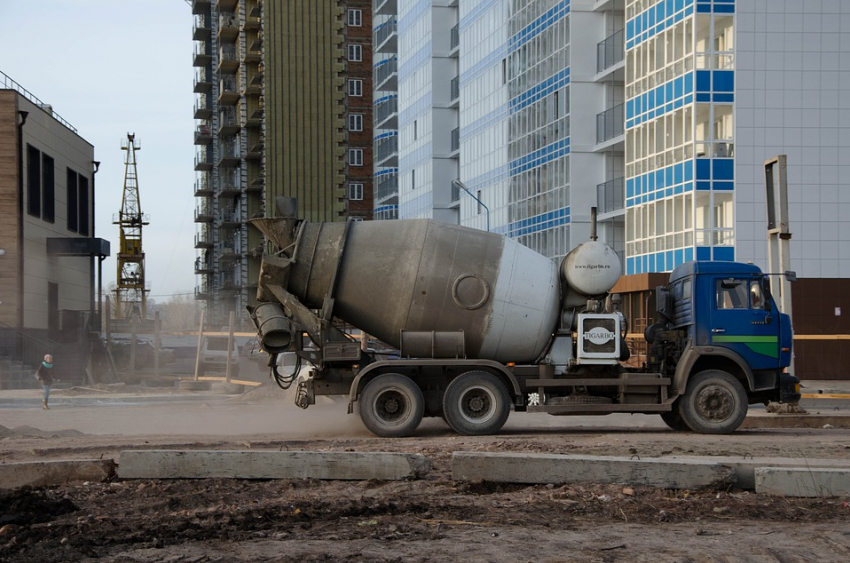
x=391, y=406
x=476, y=403
x=714, y=403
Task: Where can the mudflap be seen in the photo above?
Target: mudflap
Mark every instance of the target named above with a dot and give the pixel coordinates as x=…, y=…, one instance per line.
x=789, y=389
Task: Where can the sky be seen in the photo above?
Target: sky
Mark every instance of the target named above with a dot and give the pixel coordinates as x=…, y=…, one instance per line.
x=112, y=67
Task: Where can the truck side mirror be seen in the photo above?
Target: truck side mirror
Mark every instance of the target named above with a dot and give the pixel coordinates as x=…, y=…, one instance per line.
x=790, y=275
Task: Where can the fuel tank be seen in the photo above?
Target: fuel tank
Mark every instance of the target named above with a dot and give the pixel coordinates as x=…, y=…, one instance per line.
x=424, y=275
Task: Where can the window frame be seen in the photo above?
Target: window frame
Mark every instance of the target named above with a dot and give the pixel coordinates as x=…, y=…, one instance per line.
x=355, y=157
x=355, y=191
x=355, y=52
x=355, y=122
x=355, y=87
x=355, y=17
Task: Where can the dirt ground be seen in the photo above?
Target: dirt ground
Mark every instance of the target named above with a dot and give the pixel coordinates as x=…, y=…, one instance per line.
x=433, y=519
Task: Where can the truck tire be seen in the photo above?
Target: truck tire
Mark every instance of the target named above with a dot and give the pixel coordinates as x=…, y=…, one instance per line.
x=476, y=403
x=673, y=419
x=391, y=406
x=714, y=403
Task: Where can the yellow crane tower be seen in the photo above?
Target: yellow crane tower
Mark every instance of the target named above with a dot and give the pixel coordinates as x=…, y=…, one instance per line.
x=130, y=293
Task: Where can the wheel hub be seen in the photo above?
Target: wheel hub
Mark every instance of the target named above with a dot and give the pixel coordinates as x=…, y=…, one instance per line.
x=715, y=403
x=477, y=404
x=390, y=405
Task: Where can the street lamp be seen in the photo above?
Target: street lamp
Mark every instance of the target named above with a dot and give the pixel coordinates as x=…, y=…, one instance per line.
x=460, y=185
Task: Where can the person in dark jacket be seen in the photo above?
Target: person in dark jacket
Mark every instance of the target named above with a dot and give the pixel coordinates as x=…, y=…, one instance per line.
x=44, y=374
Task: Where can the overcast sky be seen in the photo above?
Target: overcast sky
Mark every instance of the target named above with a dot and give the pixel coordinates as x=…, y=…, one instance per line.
x=110, y=67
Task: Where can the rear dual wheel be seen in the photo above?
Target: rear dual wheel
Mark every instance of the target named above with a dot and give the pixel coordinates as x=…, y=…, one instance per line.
x=476, y=403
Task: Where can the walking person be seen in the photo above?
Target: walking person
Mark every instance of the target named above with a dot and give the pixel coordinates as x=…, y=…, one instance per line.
x=44, y=374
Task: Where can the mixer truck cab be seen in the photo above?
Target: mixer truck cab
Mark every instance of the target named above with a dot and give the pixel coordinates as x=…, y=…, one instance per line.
x=484, y=327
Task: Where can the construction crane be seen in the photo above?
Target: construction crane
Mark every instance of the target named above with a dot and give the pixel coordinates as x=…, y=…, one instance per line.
x=130, y=293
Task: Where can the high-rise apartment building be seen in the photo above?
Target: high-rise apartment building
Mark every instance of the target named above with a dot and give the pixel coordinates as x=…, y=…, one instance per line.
x=660, y=113
x=317, y=59
x=283, y=108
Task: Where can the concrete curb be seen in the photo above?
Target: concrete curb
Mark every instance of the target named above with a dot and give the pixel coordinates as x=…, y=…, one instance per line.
x=200, y=464
x=47, y=473
x=803, y=482
x=560, y=469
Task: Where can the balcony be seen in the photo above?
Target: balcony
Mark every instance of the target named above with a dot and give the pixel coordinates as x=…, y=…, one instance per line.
x=229, y=251
x=386, y=7
x=255, y=147
x=386, y=112
x=201, y=6
x=228, y=27
x=455, y=139
x=250, y=112
x=203, y=239
x=202, y=292
x=229, y=217
x=609, y=52
x=228, y=125
x=609, y=124
x=203, y=266
x=386, y=74
x=228, y=59
x=203, y=135
x=254, y=50
x=201, y=28
x=225, y=5
x=203, y=80
x=203, y=54
x=227, y=93
x=454, y=92
x=255, y=9
x=386, y=186
x=229, y=184
x=203, y=211
x=455, y=39
x=203, y=186
x=386, y=149
x=203, y=159
x=610, y=196
x=386, y=38
x=203, y=108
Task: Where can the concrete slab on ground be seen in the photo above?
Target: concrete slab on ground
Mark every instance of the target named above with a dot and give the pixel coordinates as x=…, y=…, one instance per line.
x=803, y=482
x=200, y=464
x=745, y=467
x=554, y=468
x=47, y=473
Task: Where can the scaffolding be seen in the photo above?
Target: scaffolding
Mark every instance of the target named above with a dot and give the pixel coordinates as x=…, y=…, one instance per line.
x=130, y=293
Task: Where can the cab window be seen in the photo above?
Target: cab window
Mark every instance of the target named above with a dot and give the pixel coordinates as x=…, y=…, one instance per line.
x=732, y=294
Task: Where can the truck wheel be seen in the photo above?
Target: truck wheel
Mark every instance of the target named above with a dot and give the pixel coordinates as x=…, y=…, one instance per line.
x=391, y=406
x=476, y=403
x=714, y=403
x=674, y=420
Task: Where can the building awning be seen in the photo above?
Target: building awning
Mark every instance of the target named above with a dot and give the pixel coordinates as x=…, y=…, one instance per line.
x=76, y=246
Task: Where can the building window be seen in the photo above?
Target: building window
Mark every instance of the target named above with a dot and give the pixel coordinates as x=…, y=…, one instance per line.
x=48, y=198
x=33, y=181
x=355, y=157
x=83, y=201
x=355, y=87
x=355, y=18
x=355, y=191
x=355, y=122
x=415, y=130
x=413, y=179
x=355, y=52
x=73, y=205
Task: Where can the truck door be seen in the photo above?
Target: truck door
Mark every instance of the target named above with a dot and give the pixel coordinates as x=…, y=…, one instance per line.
x=741, y=322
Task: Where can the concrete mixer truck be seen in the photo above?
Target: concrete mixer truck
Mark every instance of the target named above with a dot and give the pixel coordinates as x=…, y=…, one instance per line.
x=480, y=325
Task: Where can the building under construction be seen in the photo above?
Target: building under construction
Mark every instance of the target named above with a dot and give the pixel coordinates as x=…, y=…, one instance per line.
x=283, y=107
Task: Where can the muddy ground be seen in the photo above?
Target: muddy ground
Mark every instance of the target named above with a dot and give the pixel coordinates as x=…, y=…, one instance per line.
x=433, y=519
